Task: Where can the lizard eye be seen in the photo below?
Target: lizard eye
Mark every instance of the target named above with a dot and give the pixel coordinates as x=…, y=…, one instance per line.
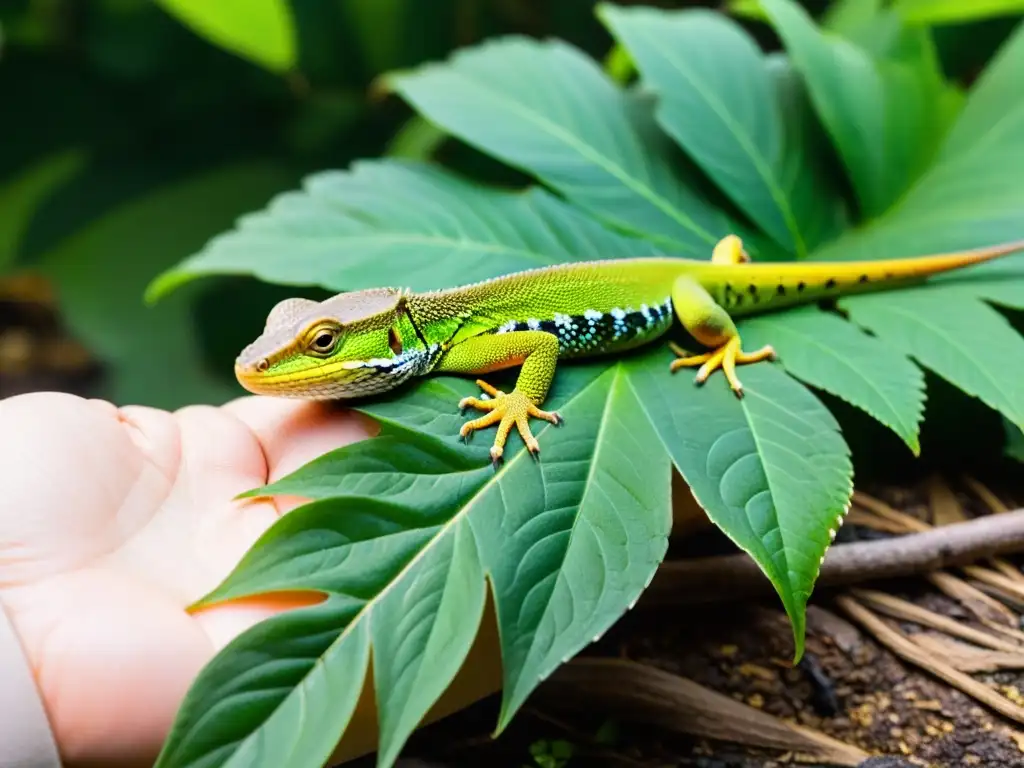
x=323, y=342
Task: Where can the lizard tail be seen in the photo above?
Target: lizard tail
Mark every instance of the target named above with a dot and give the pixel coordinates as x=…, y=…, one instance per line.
x=756, y=287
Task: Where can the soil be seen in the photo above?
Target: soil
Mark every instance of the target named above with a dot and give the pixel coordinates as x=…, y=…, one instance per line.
x=847, y=686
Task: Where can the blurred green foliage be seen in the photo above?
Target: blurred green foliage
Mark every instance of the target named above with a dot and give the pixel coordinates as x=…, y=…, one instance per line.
x=135, y=130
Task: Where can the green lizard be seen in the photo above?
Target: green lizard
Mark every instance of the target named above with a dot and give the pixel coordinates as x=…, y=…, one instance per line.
x=367, y=342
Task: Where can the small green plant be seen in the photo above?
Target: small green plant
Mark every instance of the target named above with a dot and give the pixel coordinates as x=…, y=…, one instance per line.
x=851, y=143
x=551, y=754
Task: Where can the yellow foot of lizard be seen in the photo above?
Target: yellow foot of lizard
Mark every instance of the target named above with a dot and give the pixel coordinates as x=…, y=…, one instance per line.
x=726, y=357
x=508, y=410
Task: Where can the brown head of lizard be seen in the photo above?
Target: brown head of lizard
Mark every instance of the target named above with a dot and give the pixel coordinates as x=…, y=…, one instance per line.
x=351, y=345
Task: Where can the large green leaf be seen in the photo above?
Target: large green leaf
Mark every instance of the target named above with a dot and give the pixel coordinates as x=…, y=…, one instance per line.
x=548, y=109
x=716, y=99
x=971, y=196
x=262, y=31
x=567, y=544
x=829, y=353
x=771, y=469
x=961, y=338
x=885, y=115
x=152, y=354
x=804, y=170
x=394, y=221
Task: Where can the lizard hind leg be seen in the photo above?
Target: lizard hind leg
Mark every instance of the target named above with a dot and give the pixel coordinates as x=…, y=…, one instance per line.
x=729, y=250
x=711, y=325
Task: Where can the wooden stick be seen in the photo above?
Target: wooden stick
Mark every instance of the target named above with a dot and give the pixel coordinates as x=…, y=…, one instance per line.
x=732, y=577
x=640, y=692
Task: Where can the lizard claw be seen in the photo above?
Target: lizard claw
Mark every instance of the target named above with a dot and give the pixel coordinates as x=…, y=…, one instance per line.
x=726, y=357
x=506, y=410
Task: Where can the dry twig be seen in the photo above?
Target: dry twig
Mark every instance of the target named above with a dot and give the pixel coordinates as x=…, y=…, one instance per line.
x=732, y=577
x=907, y=611
x=967, y=658
x=943, y=503
x=984, y=607
x=640, y=692
x=987, y=576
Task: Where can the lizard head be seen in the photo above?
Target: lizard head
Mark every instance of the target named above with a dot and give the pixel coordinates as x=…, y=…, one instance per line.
x=351, y=345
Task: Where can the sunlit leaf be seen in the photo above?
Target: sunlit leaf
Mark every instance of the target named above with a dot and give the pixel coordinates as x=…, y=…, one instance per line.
x=262, y=31
x=955, y=11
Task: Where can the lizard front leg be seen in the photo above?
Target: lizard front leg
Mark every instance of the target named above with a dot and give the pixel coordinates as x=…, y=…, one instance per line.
x=536, y=352
x=711, y=325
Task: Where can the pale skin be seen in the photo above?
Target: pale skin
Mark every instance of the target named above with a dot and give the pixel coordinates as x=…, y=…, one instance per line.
x=112, y=522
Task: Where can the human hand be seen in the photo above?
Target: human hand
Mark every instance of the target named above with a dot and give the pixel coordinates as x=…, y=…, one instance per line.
x=112, y=521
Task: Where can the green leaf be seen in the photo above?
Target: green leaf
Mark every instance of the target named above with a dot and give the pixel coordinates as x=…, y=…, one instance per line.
x=961, y=338
x=400, y=465
x=883, y=114
x=971, y=196
x=152, y=355
x=567, y=545
x=803, y=171
x=548, y=109
x=262, y=31
x=437, y=229
x=716, y=99
x=848, y=16
x=771, y=469
x=827, y=352
x=416, y=140
x=955, y=11
x=20, y=197
x=748, y=9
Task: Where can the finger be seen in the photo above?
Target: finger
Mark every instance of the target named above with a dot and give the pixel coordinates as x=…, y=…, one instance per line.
x=66, y=468
x=294, y=432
